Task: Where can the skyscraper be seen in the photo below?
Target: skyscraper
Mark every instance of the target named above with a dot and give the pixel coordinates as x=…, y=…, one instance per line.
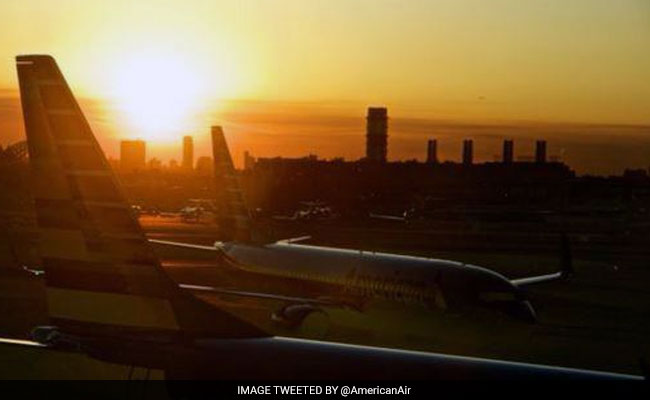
x=132, y=155
x=432, y=151
x=188, y=153
x=468, y=152
x=377, y=134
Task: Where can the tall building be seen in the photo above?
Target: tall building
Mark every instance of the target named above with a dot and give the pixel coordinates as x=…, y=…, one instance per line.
x=188, y=153
x=468, y=152
x=432, y=151
x=132, y=155
x=508, y=151
x=540, y=151
x=377, y=134
x=249, y=161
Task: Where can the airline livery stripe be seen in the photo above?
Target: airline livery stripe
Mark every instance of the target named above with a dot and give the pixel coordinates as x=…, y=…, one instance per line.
x=111, y=309
x=141, y=279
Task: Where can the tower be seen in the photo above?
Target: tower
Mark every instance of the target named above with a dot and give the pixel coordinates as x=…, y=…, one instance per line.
x=468, y=152
x=377, y=134
x=432, y=151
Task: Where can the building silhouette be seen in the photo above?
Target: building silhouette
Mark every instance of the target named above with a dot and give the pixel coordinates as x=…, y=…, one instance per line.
x=432, y=151
x=249, y=161
x=154, y=164
x=540, y=151
x=204, y=166
x=377, y=134
x=188, y=153
x=508, y=151
x=468, y=152
x=132, y=155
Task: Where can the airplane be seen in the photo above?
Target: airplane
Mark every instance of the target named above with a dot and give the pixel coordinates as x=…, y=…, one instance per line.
x=350, y=278
x=110, y=300
x=190, y=214
x=311, y=211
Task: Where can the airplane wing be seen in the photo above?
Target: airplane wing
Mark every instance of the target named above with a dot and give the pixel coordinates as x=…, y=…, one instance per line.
x=294, y=240
x=387, y=217
x=184, y=245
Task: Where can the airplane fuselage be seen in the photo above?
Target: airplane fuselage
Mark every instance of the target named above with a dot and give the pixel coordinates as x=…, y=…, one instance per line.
x=440, y=284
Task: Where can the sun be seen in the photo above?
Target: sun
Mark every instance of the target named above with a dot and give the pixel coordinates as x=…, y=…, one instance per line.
x=157, y=94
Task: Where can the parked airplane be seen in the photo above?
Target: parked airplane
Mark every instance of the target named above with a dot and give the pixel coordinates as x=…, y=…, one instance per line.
x=349, y=277
x=110, y=300
x=310, y=211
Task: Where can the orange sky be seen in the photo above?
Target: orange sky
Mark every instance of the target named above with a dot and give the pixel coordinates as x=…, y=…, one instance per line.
x=161, y=69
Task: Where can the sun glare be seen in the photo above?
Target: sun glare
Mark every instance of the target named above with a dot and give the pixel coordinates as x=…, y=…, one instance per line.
x=157, y=95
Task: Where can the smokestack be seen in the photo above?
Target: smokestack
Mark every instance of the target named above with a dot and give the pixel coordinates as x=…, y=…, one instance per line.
x=508, y=151
x=540, y=151
x=468, y=152
x=432, y=151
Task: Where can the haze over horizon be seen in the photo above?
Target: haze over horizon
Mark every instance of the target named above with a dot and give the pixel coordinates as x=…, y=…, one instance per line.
x=290, y=77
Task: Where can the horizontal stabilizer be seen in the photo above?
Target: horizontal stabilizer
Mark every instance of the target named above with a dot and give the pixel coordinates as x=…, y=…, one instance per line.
x=566, y=267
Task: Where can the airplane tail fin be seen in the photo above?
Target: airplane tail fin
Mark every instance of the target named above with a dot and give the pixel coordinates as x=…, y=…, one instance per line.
x=102, y=276
x=233, y=215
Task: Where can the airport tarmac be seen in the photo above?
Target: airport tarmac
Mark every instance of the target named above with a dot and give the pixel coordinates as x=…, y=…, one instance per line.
x=596, y=320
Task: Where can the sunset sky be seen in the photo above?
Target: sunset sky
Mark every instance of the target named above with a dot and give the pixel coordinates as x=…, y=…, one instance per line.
x=289, y=77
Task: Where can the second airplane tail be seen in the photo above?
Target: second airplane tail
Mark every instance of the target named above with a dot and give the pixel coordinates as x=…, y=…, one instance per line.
x=233, y=215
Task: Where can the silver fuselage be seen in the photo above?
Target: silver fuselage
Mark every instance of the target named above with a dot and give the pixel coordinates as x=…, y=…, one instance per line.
x=442, y=284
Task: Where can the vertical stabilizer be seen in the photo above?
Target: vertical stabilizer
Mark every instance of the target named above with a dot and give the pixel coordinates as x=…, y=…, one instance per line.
x=233, y=215
x=102, y=275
